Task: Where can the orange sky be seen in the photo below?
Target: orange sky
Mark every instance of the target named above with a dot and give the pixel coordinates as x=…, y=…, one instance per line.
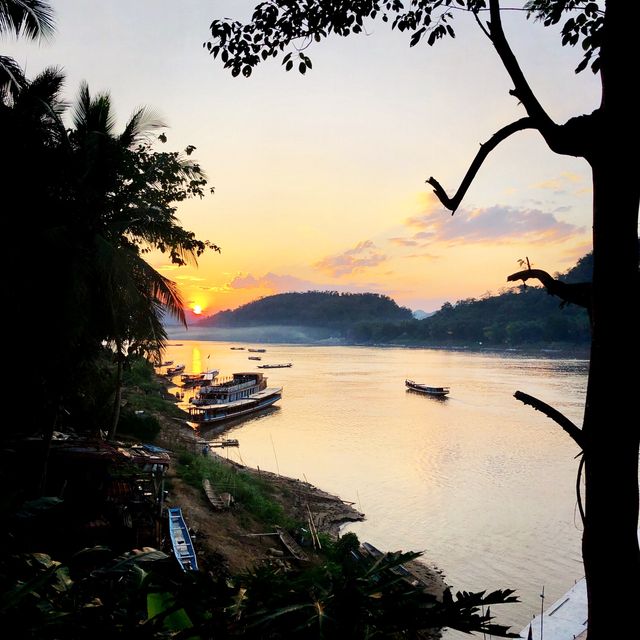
x=320, y=180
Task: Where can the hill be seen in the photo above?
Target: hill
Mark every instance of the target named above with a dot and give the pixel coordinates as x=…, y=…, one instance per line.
x=326, y=309
x=525, y=315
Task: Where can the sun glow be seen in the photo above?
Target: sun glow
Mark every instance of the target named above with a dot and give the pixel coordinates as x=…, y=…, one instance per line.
x=197, y=309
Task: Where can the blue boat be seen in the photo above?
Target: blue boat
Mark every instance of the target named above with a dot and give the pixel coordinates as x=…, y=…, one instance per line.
x=181, y=540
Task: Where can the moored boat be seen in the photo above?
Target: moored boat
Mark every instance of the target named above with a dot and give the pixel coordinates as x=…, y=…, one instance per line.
x=257, y=350
x=181, y=540
x=254, y=358
x=228, y=398
x=173, y=371
x=440, y=392
x=275, y=366
x=198, y=379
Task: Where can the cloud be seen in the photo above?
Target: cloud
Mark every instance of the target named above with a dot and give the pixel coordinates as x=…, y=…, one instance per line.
x=562, y=184
x=364, y=255
x=404, y=242
x=498, y=224
x=284, y=283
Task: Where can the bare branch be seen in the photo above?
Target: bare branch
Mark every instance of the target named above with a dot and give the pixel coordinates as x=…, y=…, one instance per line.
x=485, y=149
x=522, y=89
x=579, y=293
x=484, y=29
x=554, y=414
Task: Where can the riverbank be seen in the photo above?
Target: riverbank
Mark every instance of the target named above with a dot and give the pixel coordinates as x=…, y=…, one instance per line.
x=234, y=541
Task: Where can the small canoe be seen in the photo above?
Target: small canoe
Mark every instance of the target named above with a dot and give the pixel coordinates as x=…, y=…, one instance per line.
x=181, y=540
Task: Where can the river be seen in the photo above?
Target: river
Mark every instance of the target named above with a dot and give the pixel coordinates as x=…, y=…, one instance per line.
x=484, y=485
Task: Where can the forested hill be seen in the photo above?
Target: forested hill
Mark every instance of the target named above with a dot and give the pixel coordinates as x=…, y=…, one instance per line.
x=521, y=316
x=524, y=315
x=328, y=309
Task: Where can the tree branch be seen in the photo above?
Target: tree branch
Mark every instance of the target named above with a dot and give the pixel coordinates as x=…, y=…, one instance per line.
x=560, y=139
x=522, y=89
x=554, y=414
x=579, y=293
x=485, y=149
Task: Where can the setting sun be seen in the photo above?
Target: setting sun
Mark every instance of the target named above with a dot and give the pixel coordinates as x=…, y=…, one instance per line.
x=197, y=309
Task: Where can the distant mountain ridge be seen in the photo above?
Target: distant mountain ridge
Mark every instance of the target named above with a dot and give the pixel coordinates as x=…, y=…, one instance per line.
x=328, y=309
x=520, y=316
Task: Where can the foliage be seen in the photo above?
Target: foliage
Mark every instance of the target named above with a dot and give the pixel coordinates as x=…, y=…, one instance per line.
x=277, y=26
x=143, y=426
x=249, y=492
x=98, y=201
x=143, y=595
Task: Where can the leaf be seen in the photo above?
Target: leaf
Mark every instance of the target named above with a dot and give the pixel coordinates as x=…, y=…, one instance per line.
x=302, y=67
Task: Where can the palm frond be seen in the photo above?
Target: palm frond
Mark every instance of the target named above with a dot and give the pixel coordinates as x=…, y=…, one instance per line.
x=12, y=80
x=32, y=19
x=143, y=122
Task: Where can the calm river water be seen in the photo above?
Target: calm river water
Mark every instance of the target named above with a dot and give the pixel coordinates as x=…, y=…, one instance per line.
x=479, y=482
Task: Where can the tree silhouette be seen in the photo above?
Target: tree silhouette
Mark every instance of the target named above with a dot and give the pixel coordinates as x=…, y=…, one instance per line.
x=609, y=436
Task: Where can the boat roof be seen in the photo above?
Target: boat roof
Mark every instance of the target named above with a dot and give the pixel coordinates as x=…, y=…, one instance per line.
x=565, y=618
x=259, y=395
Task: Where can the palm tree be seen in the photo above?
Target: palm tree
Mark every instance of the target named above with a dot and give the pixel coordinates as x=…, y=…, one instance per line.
x=126, y=196
x=31, y=19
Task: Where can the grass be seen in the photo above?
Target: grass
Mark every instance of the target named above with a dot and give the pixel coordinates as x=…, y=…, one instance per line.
x=255, y=495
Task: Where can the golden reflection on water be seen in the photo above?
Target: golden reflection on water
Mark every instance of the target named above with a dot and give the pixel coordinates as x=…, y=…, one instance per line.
x=482, y=484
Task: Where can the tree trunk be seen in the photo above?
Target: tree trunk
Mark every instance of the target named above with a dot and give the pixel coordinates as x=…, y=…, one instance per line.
x=611, y=426
x=117, y=401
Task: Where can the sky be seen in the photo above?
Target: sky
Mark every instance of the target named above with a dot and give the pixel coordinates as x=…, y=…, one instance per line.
x=320, y=179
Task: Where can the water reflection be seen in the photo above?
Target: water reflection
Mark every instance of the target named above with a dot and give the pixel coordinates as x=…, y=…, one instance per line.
x=482, y=483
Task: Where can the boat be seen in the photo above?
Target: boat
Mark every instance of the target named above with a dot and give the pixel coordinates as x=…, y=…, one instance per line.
x=236, y=348
x=565, y=619
x=440, y=392
x=257, y=350
x=217, y=501
x=254, y=358
x=231, y=397
x=168, y=363
x=225, y=442
x=172, y=371
x=181, y=540
x=275, y=366
x=198, y=379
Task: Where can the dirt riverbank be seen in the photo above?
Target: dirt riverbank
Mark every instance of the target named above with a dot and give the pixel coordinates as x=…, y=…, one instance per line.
x=233, y=540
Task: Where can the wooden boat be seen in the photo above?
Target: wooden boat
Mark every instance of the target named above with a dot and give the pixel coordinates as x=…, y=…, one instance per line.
x=257, y=350
x=225, y=442
x=254, y=358
x=237, y=348
x=198, y=379
x=173, y=371
x=181, y=540
x=168, y=363
x=218, y=502
x=230, y=398
x=275, y=366
x=440, y=392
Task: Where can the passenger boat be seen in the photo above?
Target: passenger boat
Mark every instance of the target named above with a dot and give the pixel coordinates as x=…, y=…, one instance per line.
x=172, y=371
x=229, y=398
x=198, y=379
x=275, y=366
x=441, y=392
x=181, y=540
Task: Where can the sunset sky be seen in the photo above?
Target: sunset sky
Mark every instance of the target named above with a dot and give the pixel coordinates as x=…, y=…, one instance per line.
x=320, y=179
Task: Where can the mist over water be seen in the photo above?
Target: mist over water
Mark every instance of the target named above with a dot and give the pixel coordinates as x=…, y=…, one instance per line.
x=484, y=485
